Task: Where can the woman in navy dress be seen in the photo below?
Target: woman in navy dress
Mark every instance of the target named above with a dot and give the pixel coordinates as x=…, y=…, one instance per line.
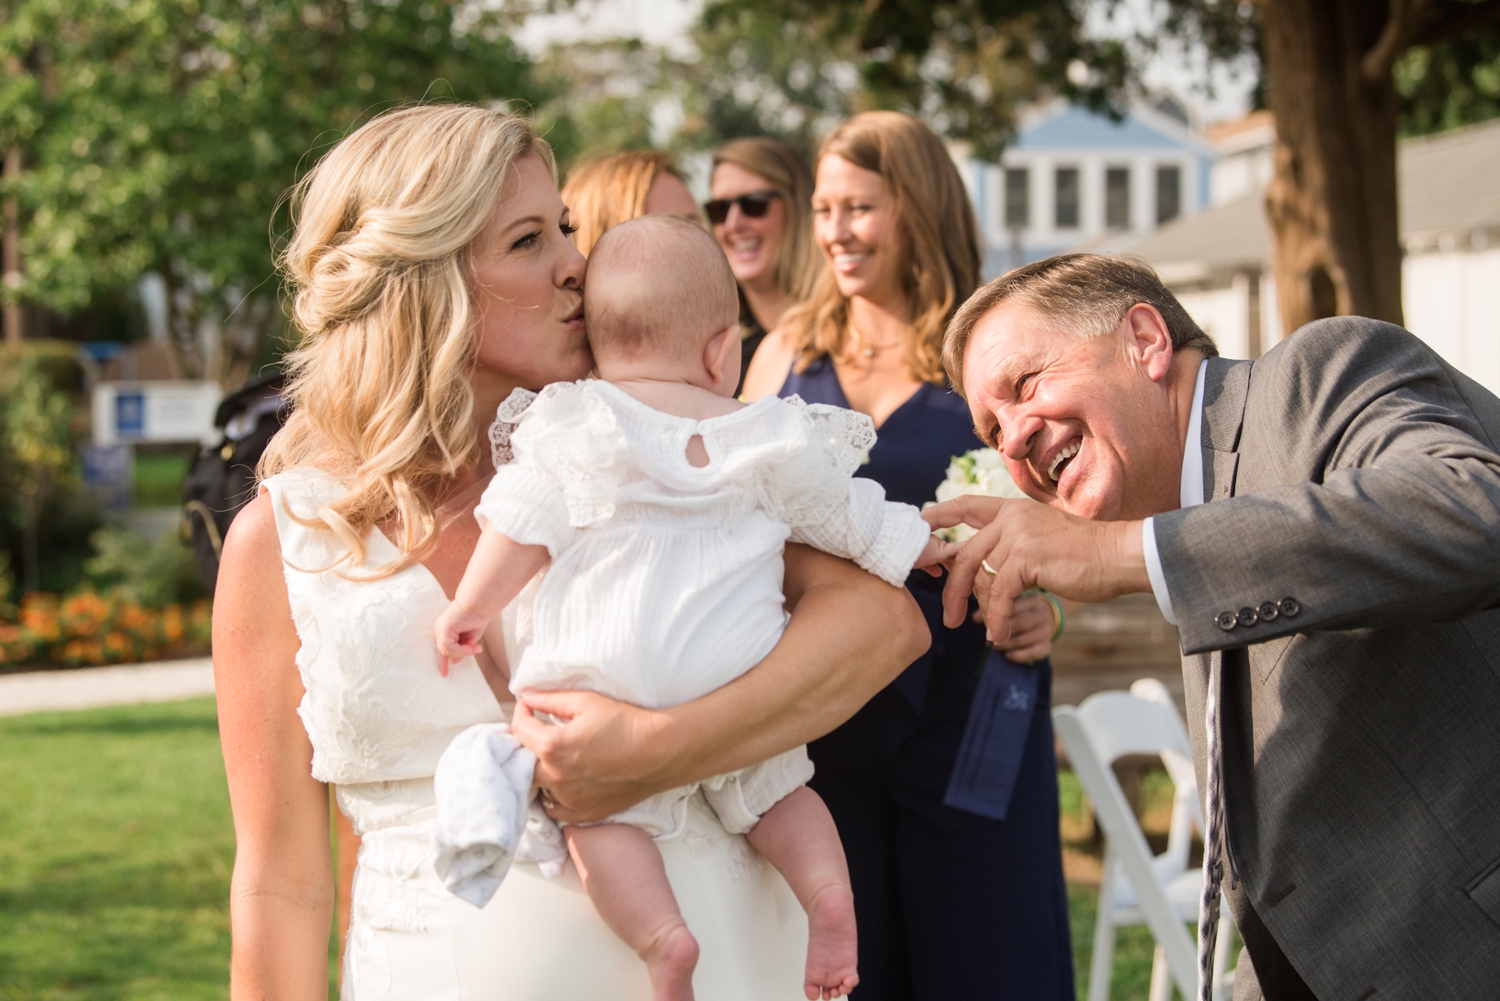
x=944, y=786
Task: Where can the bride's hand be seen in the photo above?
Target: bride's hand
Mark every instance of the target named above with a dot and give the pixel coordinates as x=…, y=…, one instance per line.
x=600, y=761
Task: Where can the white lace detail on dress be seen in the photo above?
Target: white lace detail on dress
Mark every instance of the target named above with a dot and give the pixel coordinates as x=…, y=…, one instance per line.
x=577, y=442
x=813, y=480
x=507, y=416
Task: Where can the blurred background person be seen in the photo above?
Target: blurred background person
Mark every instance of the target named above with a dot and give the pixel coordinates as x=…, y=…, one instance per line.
x=951, y=901
x=603, y=192
x=760, y=210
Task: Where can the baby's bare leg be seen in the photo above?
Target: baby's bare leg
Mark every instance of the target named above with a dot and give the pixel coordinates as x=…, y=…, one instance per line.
x=798, y=837
x=624, y=876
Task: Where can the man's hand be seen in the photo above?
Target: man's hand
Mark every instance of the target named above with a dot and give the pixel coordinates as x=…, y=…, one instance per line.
x=1028, y=545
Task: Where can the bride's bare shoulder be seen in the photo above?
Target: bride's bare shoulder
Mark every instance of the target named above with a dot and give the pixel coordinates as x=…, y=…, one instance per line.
x=768, y=369
x=251, y=577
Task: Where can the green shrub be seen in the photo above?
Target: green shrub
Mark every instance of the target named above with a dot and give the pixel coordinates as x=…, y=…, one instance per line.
x=7, y=585
x=44, y=522
x=153, y=574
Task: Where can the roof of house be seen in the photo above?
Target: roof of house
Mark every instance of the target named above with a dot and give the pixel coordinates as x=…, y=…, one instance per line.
x=1447, y=187
x=1229, y=236
x=1069, y=127
x=1448, y=182
x=1233, y=129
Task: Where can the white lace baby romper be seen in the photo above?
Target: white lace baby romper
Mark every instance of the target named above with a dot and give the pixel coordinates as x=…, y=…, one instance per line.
x=379, y=716
x=665, y=581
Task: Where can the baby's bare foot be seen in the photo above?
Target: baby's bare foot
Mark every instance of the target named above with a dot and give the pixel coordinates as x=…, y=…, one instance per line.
x=832, y=945
x=670, y=959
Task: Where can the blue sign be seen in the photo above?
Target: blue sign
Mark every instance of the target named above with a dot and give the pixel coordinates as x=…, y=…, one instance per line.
x=108, y=474
x=130, y=414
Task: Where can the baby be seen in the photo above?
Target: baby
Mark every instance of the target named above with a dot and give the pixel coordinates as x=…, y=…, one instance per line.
x=660, y=506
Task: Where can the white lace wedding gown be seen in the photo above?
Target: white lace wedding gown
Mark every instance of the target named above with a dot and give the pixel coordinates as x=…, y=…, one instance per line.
x=379, y=716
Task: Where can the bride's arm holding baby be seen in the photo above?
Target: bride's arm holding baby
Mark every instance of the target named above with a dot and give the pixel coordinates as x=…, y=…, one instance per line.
x=849, y=635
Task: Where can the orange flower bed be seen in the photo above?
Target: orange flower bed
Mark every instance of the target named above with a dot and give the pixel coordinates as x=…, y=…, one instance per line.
x=88, y=628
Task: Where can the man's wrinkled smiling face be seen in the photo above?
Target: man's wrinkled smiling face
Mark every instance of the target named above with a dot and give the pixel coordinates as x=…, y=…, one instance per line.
x=1085, y=425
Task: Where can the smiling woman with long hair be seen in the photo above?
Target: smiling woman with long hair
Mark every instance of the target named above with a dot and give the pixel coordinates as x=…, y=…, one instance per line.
x=433, y=273
x=952, y=900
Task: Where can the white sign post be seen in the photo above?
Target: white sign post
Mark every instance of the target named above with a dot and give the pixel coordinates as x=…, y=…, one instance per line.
x=134, y=412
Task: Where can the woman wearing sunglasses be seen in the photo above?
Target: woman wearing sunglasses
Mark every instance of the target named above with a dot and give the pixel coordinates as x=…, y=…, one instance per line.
x=943, y=786
x=759, y=210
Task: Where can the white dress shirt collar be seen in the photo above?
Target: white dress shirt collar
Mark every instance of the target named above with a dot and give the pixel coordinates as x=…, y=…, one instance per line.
x=1189, y=492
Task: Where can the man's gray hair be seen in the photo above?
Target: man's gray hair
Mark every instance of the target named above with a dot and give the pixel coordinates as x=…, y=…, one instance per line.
x=1086, y=295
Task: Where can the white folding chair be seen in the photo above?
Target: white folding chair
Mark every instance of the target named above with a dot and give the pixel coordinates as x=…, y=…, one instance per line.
x=1139, y=888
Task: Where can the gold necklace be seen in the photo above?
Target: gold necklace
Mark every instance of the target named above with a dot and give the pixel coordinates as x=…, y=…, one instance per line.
x=867, y=349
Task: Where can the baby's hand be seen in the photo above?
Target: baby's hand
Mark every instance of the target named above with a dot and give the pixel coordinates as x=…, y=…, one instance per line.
x=935, y=554
x=458, y=635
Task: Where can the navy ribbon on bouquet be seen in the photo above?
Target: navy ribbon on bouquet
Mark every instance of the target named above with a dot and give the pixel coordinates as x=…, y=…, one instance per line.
x=989, y=758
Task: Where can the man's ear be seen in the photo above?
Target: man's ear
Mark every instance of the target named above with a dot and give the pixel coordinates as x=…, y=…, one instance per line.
x=721, y=355
x=1148, y=340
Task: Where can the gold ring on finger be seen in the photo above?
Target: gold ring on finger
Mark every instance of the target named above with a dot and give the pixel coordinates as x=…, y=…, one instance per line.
x=985, y=566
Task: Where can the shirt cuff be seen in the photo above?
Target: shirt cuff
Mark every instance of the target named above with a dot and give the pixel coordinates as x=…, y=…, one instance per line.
x=1154, y=570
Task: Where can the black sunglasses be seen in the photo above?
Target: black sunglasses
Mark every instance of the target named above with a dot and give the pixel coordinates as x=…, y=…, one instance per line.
x=754, y=205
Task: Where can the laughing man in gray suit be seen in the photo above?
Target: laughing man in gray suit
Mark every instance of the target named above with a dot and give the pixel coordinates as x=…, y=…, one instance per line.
x=1323, y=525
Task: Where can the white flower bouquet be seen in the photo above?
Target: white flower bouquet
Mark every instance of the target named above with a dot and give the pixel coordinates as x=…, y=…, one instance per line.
x=981, y=471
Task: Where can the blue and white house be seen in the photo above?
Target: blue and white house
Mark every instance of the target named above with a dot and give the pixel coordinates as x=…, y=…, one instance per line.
x=1072, y=180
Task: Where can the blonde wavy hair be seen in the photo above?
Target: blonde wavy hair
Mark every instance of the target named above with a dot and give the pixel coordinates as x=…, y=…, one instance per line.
x=935, y=225
x=379, y=269
x=799, y=264
x=604, y=192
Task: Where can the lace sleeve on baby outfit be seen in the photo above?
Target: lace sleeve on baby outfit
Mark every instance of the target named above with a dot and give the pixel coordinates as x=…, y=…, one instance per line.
x=815, y=492
x=507, y=416
x=810, y=474
x=565, y=464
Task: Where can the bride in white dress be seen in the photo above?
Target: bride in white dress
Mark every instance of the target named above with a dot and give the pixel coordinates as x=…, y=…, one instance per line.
x=434, y=274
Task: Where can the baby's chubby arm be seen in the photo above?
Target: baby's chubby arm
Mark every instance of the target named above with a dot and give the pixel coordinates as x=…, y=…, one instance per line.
x=935, y=555
x=498, y=570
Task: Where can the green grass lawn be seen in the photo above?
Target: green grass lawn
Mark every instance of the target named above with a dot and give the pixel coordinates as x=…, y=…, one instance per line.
x=115, y=853
x=116, y=848
x=158, y=479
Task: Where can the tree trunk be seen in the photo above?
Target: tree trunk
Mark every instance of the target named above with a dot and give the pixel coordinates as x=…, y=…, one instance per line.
x=10, y=255
x=31, y=556
x=175, y=367
x=1332, y=203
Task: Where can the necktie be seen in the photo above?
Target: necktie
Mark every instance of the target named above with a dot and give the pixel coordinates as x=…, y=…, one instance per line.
x=1213, y=835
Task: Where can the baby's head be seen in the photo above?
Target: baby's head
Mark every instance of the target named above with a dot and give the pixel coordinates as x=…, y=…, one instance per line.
x=660, y=301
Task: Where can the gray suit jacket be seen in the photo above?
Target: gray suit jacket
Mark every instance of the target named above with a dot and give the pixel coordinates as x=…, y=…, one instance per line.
x=1353, y=471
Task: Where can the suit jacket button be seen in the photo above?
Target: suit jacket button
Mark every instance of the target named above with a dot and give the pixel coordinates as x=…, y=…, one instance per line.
x=1268, y=611
x=1226, y=621
x=1247, y=617
x=1290, y=608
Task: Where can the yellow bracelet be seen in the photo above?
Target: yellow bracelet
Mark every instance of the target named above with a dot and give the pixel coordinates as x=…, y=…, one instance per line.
x=1059, y=617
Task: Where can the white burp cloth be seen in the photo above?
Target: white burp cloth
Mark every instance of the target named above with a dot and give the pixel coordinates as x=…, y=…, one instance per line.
x=482, y=793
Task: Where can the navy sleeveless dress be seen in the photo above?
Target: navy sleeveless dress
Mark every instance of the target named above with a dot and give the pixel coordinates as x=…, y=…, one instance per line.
x=950, y=903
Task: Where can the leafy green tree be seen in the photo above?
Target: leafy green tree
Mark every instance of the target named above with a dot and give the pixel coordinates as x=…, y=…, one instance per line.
x=793, y=68
x=36, y=442
x=1343, y=77
x=601, y=96
x=1448, y=84
x=160, y=135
